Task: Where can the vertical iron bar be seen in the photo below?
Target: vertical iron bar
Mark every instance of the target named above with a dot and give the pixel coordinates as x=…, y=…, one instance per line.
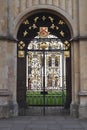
x=63, y=78
x=44, y=82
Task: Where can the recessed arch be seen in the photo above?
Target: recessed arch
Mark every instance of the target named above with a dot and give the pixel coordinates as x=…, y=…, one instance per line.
x=56, y=24
x=52, y=9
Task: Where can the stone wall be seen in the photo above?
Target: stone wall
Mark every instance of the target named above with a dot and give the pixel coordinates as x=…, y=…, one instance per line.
x=8, y=77
x=83, y=58
x=11, y=9
x=3, y=17
x=21, y=5
x=11, y=12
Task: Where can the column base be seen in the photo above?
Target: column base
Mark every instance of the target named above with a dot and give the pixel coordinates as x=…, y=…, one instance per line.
x=74, y=110
x=8, y=110
x=83, y=111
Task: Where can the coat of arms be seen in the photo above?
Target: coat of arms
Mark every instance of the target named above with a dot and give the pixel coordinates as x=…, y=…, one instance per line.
x=43, y=32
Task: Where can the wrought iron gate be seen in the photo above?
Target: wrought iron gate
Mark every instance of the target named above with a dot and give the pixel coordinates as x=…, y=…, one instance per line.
x=43, y=56
x=46, y=74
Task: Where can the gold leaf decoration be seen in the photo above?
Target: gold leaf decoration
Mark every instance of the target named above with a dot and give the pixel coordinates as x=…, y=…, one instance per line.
x=57, y=27
x=35, y=19
x=21, y=54
x=30, y=28
x=43, y=18
x=67, y=43
x=34, y=26
x=26, y=22
x=62, y=33
x=21, y=45
x=52, y=26
x=25, y=33
x=61, y=22
x=67, y=54
x=51, y=19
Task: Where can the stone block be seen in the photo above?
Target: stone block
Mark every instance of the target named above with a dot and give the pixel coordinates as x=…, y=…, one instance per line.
x=83, y=111
x=3, y=17
x=8, y=110
x=74, y=110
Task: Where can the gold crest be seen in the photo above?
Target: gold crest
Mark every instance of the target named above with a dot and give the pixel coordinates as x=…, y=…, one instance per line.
x=43, y=32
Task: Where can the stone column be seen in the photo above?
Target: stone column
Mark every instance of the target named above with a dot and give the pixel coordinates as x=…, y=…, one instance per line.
x=83, y=80
x=83, y=58
x=75, y=61
x=12, y=75
x=3, y=17
x=75, y=78
x=8, y=104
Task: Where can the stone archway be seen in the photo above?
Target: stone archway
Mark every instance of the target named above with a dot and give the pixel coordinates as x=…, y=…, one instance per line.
x=53, y=9
x=58, y=27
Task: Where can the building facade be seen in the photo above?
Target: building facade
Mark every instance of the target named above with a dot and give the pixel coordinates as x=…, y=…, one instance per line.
x=12, y=15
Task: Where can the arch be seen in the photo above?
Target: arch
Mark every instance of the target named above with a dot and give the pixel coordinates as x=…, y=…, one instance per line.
x=55, y=25
x=58, y=15
x=52, y=9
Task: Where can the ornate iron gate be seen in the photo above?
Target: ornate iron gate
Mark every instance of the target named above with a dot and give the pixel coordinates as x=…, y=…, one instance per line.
x=43, y=55
x=46, y=73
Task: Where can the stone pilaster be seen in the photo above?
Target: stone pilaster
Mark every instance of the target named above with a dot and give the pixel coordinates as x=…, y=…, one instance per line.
x=3, y=17
x=75, y=78
x=8, y=63
x=83, y=104
x=8, y=108
x=83, y=80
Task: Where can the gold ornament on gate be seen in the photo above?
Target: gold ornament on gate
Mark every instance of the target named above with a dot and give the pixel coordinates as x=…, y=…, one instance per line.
x=43, y=45
x=67, y=54
x=21, y=54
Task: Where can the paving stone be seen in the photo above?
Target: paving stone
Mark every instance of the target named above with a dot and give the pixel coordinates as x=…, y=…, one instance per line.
x=5, y=128
x=43, y=123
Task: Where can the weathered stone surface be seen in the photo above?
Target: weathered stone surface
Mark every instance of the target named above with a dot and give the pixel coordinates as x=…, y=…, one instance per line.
x=3, y=17
x=17, y=7
x=83, y=111
x=74, y=109
x=7, y=77
x=83, y=65
x=35, y=2
x=8, y=110
x=50, y=2
x=82, y=17
x=11, y=15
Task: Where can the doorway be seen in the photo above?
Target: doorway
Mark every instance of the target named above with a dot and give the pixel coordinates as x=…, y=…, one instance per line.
x=44, y=64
